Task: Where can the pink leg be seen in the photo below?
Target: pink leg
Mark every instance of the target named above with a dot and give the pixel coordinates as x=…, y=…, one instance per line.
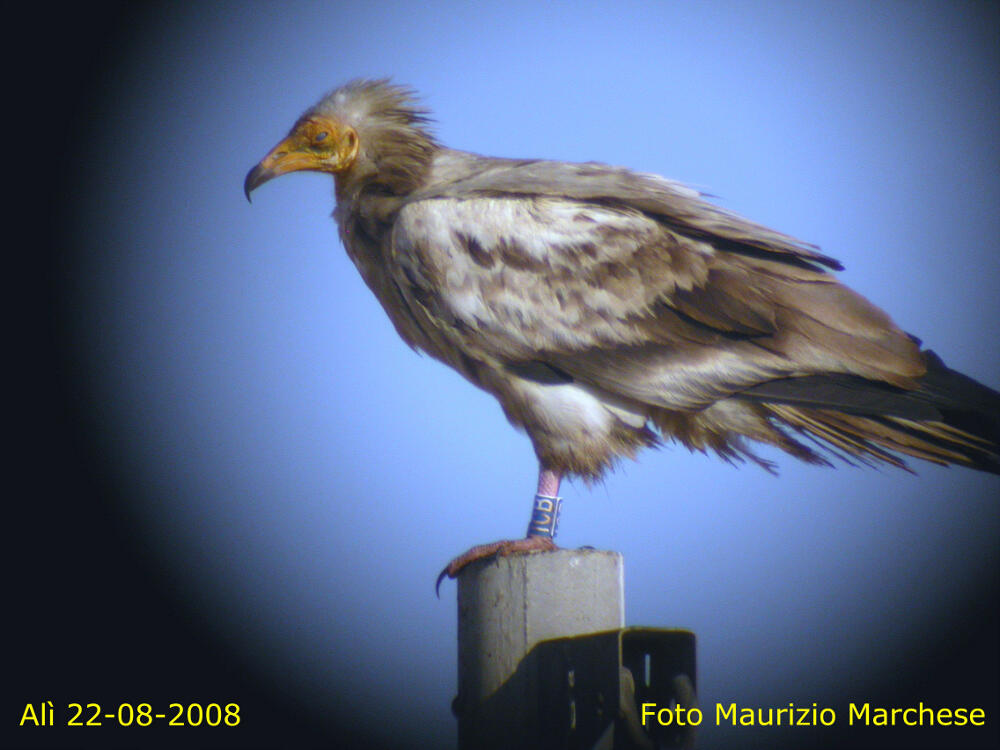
x=541, y=530
x=548, y=482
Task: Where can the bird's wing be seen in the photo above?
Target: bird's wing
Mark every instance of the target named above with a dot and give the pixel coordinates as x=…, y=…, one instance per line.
x=654, y=306
x=463, y=175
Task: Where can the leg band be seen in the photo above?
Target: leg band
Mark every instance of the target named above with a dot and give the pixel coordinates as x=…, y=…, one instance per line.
x=545, y=516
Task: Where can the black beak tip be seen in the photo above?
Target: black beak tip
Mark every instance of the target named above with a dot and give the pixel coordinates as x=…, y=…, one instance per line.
x=254, y=179
x=248, y=185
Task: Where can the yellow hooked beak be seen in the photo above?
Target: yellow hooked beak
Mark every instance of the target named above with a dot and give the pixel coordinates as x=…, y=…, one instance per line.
x=316, y=144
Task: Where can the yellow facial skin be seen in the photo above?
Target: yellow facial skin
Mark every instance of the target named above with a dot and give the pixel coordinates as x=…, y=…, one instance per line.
x=316, y=144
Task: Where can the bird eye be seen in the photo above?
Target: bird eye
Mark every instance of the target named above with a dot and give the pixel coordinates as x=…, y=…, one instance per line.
x=320, y=136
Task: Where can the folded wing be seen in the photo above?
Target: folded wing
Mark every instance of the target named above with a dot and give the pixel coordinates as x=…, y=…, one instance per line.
x=634, y=287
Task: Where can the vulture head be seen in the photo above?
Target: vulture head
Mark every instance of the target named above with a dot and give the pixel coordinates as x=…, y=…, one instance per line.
x=364, y=131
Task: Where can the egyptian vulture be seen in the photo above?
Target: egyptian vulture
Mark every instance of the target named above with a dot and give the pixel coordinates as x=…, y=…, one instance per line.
x=607, y=309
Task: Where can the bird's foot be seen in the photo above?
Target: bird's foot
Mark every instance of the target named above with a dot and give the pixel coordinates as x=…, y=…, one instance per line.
x=501, y=548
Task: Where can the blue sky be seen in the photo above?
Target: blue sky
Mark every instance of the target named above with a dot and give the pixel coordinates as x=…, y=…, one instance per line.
x=302, y=475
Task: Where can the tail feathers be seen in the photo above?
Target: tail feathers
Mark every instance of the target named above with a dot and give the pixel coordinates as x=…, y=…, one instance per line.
x=949, y=419
x=963, y=402
x=874, y=440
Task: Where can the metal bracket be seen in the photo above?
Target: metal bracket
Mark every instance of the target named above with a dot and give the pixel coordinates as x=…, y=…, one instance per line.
x=591, y=689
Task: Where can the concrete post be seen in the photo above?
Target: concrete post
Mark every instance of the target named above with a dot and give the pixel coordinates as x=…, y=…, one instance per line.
x=506, y=605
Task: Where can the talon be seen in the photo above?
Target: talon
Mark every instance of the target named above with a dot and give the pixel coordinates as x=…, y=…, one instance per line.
x=437, y=584
x=495, y=549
